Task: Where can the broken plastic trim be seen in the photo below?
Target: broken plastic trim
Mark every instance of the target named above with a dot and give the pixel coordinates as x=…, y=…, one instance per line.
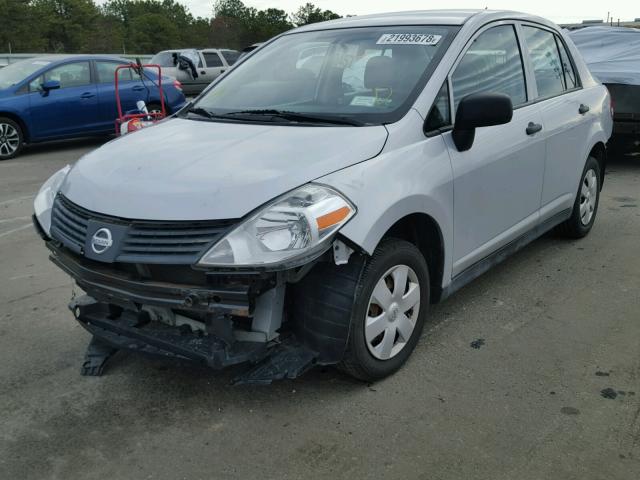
x=114, y=330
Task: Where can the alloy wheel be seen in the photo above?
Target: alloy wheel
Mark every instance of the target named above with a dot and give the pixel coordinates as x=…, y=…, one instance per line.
x=393, y=311
x=9, y=139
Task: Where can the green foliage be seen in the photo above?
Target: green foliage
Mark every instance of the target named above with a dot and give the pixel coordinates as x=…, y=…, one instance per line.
x=309, y=13
x=140, y=26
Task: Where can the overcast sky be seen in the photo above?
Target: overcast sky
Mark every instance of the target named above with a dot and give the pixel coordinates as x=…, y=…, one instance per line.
x=556, y=10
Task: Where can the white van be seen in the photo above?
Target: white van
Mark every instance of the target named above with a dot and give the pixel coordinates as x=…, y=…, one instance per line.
x=310, y=205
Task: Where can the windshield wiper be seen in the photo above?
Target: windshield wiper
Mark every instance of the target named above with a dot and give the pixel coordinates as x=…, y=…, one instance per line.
x=201, y=112
x=299, y=117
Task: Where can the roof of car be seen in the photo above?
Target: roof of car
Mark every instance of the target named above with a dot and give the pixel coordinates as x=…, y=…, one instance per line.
x=61, y=57
x=419, y=17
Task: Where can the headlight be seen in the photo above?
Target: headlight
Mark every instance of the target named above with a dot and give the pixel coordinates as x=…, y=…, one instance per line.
x=44, y=200
x=290, y=231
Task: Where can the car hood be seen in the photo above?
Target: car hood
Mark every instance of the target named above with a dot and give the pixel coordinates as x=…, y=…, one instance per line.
x=196, y=170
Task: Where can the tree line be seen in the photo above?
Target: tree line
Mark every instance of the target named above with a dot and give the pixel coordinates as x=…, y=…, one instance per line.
x=140, y=26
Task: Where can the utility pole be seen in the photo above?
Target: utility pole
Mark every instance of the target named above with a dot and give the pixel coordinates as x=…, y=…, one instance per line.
x=9, y=48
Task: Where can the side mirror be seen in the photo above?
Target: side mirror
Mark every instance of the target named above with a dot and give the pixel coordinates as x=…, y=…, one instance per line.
x=50, y=85
x=479, y=110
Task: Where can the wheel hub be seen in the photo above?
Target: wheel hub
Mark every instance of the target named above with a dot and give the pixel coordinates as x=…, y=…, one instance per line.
x=588, y=196
x=393, y=310
x=9, y=139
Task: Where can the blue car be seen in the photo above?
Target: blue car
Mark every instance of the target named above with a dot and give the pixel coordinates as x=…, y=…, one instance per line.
x=59, y=96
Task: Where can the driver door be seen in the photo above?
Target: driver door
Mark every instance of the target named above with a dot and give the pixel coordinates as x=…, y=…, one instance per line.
x=68, y=111
x=498, y=182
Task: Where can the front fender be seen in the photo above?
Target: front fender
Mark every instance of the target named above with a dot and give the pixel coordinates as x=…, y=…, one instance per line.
x=416, y=178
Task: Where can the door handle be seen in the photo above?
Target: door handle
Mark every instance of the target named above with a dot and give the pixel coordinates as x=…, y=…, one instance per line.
x=86, y=95
x=583, y=109
x=533, y=128
x=203, y=72
x=138, y=88
x=221, y=71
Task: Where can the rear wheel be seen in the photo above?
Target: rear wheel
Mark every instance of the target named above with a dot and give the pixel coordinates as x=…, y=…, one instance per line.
x=11, y=138
x=586, y=204
x=155, y=108
x=389, y=311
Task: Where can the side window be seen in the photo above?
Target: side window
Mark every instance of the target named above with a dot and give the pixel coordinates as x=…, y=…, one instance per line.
x=231, y=56
x=491, y=64
x=69, y=75
x=107, y=70
x=545, y=57
x=212, y=59
x=440, y=113
x=570, y=78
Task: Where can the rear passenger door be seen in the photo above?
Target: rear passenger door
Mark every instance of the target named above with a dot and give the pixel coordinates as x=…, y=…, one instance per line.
x=498, y=182
x=130, y=87
x=565, y=115
x=214, y=66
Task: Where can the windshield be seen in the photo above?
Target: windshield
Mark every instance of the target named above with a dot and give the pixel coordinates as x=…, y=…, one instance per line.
x=16, y=72
x=369, y=75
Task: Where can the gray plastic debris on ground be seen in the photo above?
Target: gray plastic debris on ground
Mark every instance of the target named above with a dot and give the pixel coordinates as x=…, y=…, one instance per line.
x=611, y=53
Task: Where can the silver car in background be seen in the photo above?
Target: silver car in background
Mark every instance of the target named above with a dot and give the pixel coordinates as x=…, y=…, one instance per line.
x=209, y=64
x=311, y=204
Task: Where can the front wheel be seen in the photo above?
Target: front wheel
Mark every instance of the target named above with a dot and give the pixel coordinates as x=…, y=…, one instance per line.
x=11, y=138
x=586, y=204
x=389, y=312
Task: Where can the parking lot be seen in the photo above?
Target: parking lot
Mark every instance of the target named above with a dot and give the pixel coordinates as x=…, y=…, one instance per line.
x=531, y=372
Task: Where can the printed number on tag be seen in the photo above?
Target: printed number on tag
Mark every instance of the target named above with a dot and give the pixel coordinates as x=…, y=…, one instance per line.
x=409, y=39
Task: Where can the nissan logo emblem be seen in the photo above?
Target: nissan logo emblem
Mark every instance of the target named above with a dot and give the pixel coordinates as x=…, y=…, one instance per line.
x=101, y=241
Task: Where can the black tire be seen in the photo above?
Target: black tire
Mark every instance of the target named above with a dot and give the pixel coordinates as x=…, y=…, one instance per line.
x=156, y=107
x=575, y=227
x=358, y=361
x=10, y=132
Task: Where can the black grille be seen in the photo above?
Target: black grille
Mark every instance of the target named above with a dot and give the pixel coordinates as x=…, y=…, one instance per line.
x=145, y=241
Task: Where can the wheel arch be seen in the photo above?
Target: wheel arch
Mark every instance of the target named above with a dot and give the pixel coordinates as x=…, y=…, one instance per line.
x=599, y=152
x=16, y=118
x=423, y=231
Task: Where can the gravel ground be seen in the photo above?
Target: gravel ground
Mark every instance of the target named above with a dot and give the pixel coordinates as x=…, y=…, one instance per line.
x=530, y=372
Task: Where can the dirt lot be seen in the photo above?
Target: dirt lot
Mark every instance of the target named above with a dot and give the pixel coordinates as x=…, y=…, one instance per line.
x=554, y=327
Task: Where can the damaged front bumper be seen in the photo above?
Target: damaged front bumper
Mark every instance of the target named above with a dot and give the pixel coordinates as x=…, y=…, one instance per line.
x=214, y=320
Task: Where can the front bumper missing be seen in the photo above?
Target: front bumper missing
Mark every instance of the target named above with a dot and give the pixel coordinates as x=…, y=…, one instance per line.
x=212, y=319
x=121, y=309
x=135, y=331
x=115, y=330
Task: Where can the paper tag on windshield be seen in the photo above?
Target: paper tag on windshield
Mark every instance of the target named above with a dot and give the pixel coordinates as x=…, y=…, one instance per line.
x=40, y=62
x=426, y=39
x=360, y=101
